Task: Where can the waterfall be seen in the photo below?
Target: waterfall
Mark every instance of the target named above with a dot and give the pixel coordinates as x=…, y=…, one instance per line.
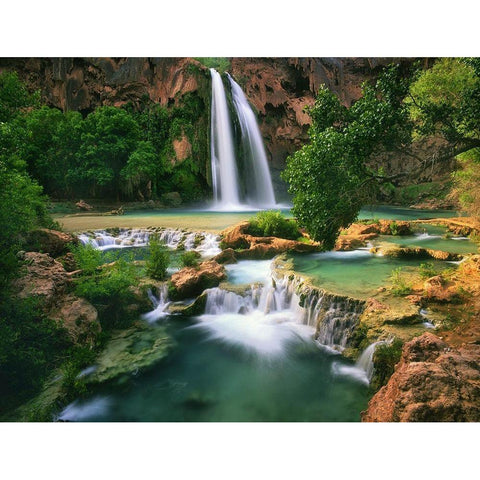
x=365, y=361
x=224, y=169
x=259, y=188
x=160, y=304
x=207, y=244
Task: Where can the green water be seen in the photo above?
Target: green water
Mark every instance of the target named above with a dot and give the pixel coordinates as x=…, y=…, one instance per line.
x=210, y=380
x=357, y=274
x=380, y=212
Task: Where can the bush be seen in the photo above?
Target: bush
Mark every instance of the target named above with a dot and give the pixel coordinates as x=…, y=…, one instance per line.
x=394, y=228
x=31, y=346
x=427, y=270
x=386, y=356
x=272, y=223
x=87, y=257
x=399, y=285
x=158, y=259
x=190, y=258
x=110, y=292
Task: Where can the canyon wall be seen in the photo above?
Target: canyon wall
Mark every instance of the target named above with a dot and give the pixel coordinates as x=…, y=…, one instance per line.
x=278, y=88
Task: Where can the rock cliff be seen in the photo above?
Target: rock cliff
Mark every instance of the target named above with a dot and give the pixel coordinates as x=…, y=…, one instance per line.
x=278, y=89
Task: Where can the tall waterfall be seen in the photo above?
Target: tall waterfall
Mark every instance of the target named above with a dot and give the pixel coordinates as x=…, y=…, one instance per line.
x=226, y=181
x=259, y=188
x=224, y=168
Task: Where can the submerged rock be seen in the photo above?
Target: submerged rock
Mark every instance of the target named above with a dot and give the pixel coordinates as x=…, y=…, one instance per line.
x=82, y=205
x=431, y=383
x=395, y=251
x=130, y=351
x=192, y=281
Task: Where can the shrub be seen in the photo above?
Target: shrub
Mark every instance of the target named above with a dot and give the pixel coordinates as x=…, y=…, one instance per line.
x=427, y=270
x=394, y=228
x=386, y=356
x=272, y=223
x=87, y=257
x=158, y=259
x=110, y=292
x=399, y=285
x=190, y=258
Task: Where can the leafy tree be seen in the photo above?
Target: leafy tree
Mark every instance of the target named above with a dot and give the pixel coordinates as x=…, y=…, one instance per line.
x=158, y=258
x=109, y=136
x=272, y=223
x=14, y=97
x=329, y=177
x=141, y=170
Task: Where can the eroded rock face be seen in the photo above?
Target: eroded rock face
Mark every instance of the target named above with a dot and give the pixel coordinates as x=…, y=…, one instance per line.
x=44, y=278
x=53, y=242
x=79, y=317
x=190, y=281
x=249, y=247
x=431, y=383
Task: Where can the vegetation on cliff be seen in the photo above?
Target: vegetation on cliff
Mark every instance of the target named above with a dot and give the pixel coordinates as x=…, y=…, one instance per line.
x=126, y=153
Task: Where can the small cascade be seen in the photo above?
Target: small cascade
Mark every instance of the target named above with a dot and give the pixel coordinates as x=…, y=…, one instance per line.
x=365, y=361
x=224, y=168
x=207, y=244
x=159, y=303
x=258, y=181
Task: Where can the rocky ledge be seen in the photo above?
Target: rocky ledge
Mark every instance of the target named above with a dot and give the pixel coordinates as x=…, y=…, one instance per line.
x=432, y=383
x=190, y=282
x=247, y=246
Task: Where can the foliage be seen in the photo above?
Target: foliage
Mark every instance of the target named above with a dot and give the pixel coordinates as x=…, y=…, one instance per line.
x=14, y=96
x=158, y=258
x=427, y=270
x=400, y=286
x=30, y=346
x=466, y=182
x=189, y=258
x=394, y=228
x=270, y=223
x=111, y=293
x=87, y=258
x=386, y=356
x=221, y=64
x=328, y=177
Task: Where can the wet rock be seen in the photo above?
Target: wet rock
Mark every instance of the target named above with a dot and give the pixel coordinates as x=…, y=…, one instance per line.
x=53, y=242
x=129, y=352
x=190, y=281
x=226, y=257
x=431, y=383
x=395, y=251
x=68, y=261
x=437, y=289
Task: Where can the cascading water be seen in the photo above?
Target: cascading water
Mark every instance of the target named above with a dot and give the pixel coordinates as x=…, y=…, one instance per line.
x=258, y=181
x=224, y=168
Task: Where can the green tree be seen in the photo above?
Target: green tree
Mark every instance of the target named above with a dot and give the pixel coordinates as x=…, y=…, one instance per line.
x=329, y=177
x=14, y=97
x=109, y=136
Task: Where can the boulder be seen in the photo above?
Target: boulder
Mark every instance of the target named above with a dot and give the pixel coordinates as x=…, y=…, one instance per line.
x=396, y=251
x=247, y=246
x=431, y=383
x=190, y=281
x=53, y=242
x=79, y=317
x=226, y=256
x=43, y=277
x=68, y=261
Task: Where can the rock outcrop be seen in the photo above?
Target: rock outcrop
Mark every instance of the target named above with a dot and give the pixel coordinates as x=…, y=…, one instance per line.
x=431, y=383
x=251, y=247
x=53, y=242
x=192, y=281
x=394, y=251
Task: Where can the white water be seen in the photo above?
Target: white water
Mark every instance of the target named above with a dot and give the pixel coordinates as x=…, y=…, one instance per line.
x=269, y=317
x=224, y=168
x=160, y=305
x=363, y=368
x=259, y=188
x=102, y=240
